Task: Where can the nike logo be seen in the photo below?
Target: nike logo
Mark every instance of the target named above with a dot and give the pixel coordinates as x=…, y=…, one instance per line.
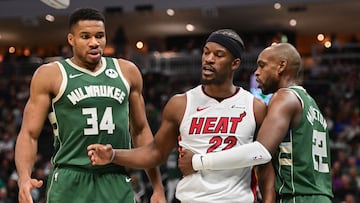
x=75, y=75
x=201, y=108
x=127, y=179
x=202, y=162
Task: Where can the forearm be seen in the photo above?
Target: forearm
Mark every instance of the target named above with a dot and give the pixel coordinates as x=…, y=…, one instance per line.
x=237, y=157
x=25, y=155
x=141, y=158
x=266, y=179
x=155, y=179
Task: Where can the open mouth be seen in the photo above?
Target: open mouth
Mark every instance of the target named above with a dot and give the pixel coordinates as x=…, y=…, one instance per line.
x=94, y=53
x=208, y=69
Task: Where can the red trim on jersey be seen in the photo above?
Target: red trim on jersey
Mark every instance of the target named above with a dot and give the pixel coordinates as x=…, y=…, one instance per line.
x=254, y=183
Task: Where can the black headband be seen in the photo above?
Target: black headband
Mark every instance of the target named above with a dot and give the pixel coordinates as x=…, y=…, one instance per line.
x=234, y=47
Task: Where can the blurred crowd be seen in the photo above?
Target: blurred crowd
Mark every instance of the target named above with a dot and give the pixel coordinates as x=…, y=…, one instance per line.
x=334, y=83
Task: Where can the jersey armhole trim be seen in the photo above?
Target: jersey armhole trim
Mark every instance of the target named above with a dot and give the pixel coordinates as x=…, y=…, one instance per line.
x=63, y=82
x=118, y=69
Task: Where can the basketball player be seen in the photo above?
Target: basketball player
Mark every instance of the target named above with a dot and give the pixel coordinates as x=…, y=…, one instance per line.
x=91, y=98
x=214, y=116
x=294, y=132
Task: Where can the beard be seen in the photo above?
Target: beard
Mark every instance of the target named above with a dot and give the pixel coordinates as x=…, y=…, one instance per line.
x=217, y=80
x=269, y=87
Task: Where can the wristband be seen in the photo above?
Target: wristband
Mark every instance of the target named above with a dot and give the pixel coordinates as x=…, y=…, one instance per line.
x=112, y=156
x=201, y=162
x=196, y=162
x=237, y=157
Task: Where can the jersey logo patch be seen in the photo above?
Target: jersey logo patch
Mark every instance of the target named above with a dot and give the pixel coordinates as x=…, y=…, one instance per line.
x=75, y=75
x=201, y=108
x=237, y=107
x=111, y=73
x=127, y=179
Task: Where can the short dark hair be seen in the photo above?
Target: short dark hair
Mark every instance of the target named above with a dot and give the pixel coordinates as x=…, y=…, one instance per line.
x=85, y=14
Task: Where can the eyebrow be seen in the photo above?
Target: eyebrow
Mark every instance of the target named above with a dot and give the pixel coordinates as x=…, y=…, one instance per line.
x=86, y=32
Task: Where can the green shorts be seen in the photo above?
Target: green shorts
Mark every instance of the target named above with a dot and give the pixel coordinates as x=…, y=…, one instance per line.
x=80, y=186
x=303, y=199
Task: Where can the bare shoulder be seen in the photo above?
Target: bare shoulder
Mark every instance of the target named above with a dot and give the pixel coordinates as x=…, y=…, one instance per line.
x=178, y=100
x=126, y=65
x=284, y=101
x=286, y=105
x=283, y=96
x=259, y=104
x=48, y=68
x=130, y=70
x=175, y=107
x=260, y=110
x=48, y=76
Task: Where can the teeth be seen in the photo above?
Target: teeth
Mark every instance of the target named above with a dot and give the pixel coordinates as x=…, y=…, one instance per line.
x=207, y=69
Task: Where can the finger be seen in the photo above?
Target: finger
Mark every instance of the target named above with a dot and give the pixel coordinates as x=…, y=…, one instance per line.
x=90, y=153
x=36, y=183
x=91, y=147
x=93, y=160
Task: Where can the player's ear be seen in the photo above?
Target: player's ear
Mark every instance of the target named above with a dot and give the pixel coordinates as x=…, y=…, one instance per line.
x=70, y=38
x=282, y=66
x=236, y=63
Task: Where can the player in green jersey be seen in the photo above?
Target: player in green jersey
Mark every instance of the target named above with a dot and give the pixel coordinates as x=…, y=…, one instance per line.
x=93, y=99
x=294, y=133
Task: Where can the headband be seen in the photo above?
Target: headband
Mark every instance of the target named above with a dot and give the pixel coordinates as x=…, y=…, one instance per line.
x=233, y=46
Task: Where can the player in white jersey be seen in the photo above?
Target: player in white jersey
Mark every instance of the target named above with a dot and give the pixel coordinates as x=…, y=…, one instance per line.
x=211, y=117
x=210, y=126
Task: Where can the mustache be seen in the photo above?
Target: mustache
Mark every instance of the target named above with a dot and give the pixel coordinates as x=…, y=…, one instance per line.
x=94, y=51
x=208, y=67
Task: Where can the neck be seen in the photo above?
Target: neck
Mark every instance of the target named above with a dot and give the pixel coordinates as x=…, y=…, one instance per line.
x=89, y=66
x=219, y=92
x=287, y=82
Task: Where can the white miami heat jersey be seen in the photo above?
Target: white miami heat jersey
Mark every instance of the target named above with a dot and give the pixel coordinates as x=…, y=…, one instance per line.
x=210, y=126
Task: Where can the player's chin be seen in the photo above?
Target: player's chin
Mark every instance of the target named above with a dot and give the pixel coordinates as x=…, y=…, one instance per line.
x=265, y=91
x=93, y=62
x=207, y=80
x=260, y=86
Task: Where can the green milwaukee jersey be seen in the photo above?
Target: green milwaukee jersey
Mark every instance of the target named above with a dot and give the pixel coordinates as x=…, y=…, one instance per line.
x=302, y=162
x=91, y=107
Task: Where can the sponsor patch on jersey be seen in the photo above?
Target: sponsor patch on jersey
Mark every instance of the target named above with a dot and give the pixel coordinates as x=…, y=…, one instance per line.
x=237, y=107
x=111, y=73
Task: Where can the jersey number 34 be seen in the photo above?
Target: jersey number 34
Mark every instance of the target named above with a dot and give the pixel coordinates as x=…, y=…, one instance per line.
x=106, y=123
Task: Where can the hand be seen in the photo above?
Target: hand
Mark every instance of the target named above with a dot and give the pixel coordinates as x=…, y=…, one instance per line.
x=158, y=197
x=100, y=154
x=185, y=162
x=25, y=188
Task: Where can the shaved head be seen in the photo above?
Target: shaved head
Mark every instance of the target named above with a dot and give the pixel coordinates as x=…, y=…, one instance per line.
x=288, y=53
